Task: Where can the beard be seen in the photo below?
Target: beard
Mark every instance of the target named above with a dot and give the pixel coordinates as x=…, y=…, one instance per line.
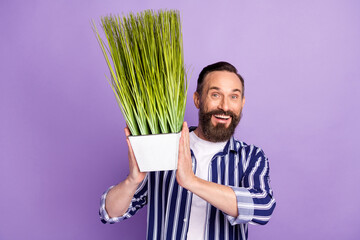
x=218, y=133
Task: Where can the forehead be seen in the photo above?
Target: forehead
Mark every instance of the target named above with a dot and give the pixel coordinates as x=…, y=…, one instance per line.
x=223, y=80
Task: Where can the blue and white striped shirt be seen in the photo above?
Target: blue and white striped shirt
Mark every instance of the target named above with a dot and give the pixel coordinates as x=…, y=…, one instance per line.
x=242, y=167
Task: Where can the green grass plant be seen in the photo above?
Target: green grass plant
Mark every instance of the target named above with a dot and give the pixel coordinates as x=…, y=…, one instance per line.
x=144, y=53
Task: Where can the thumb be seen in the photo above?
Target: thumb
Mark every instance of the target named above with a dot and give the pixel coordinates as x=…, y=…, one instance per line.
x=127, y=131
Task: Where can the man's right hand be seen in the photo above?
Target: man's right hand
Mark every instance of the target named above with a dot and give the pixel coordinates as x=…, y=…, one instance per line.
x=119, y=197
x=135, y=176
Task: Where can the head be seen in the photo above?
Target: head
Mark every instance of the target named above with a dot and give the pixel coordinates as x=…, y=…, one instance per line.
x=220, y=99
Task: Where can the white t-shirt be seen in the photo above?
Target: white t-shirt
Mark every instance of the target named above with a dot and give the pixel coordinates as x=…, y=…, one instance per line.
x=203, y=151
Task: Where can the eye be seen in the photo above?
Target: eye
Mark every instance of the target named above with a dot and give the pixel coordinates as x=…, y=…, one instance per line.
x=234, y=96
x=215, y=95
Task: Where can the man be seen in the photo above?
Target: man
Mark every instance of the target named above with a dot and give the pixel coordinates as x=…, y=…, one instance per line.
x=220, y=185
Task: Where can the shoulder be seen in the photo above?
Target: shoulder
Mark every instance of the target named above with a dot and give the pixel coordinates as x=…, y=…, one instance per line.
x=248, y=149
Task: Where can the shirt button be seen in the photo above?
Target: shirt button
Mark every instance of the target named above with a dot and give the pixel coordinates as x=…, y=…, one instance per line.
x=185, y=220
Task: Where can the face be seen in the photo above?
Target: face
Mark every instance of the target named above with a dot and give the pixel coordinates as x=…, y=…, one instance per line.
x=220, y=106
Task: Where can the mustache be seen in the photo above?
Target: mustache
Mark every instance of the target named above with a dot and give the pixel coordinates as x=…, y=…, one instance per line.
x=221, y=112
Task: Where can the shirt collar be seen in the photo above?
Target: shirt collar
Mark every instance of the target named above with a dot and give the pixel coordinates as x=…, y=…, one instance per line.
x=230, y=145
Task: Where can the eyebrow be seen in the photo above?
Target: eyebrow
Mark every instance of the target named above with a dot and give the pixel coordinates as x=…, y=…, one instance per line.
x=216, y=88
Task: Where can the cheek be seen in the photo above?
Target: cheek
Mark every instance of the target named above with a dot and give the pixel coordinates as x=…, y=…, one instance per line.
x=237, y=108
x=208, y=104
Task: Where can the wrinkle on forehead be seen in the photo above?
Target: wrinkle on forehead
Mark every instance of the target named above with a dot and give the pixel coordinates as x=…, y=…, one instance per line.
x=219, y=89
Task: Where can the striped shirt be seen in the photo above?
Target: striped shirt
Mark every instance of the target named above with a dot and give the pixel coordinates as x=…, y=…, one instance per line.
x=242, y=167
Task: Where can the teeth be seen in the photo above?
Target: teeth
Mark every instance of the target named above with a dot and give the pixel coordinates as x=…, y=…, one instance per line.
x=222, y=116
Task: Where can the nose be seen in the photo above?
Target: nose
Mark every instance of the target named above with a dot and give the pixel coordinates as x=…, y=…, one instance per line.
x=224, y=104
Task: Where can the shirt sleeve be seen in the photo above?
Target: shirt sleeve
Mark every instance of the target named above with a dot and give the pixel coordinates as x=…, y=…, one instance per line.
x=255, y=199
x=245, y=206
x=138, y=201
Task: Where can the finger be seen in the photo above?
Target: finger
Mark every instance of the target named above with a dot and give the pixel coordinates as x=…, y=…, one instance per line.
x=127, y=131
x=183, y=134
x=187, y=132
x=181, y=146
x=129, y=146
x=181, y=142
x=179, y=164
x=187, y=136
x=184, y=129
x=127, y=134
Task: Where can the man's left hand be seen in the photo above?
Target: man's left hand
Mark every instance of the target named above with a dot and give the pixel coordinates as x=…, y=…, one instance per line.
x=184, y=174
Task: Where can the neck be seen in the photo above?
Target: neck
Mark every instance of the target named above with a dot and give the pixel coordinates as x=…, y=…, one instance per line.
x=198, y=131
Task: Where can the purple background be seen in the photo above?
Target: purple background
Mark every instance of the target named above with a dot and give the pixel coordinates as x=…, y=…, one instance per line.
x=61, y=131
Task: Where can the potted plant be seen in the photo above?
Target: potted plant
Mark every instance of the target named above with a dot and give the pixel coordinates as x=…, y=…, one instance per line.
x=144, y=53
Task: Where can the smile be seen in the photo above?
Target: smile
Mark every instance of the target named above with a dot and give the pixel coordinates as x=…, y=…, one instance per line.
x=225, y=117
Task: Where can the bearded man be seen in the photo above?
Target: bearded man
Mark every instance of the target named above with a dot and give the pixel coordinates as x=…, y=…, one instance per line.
x=220, y=185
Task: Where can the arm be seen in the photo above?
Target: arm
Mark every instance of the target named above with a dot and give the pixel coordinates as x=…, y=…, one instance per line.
x=220, y=196
x=117, y=200
x=251, y=203
x=257, y=182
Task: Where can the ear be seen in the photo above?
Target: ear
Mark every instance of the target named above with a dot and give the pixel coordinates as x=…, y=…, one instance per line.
x=243, y=102
x=196, y=98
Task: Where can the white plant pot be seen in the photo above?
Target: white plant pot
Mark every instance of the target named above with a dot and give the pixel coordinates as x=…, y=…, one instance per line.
x=157, y=152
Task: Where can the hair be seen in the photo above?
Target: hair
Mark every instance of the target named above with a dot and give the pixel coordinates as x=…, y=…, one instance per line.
x=219, y=66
